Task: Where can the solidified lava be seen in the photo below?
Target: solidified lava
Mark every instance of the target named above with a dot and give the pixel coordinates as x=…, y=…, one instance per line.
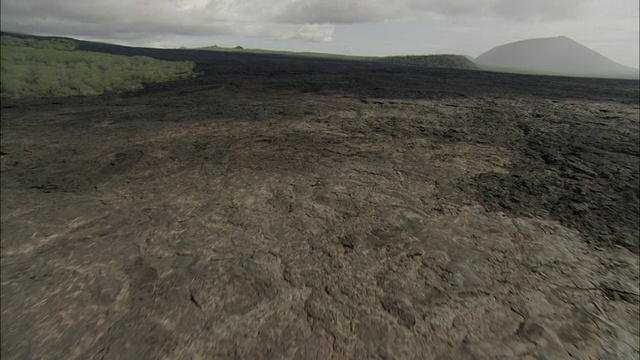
x=282, y=207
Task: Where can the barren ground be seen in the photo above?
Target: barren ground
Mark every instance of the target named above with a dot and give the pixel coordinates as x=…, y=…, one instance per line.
x=290, y=208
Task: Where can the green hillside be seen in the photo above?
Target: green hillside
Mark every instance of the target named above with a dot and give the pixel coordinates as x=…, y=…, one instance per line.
x=55, y=68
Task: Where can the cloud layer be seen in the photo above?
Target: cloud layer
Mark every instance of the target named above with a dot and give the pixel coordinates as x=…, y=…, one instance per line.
x=356, y=11
x=311, y=20
x=417, y=26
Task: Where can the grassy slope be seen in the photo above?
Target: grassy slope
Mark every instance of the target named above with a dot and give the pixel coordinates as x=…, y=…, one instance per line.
x=35, y=66
x=53, y=68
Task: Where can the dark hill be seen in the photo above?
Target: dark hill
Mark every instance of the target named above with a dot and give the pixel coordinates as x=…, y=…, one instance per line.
x=553, y=56
x=440, y=61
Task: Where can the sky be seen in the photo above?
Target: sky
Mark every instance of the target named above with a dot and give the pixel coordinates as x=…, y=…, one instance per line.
x=356, y=27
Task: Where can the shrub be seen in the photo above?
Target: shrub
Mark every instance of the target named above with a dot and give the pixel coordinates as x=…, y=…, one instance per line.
x=52, y=68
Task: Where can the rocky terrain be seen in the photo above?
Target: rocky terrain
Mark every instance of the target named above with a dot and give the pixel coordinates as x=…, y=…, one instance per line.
x=289, y=208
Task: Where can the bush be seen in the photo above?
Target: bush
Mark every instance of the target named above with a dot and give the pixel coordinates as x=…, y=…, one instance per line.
x=55, y=68
x=53, y=44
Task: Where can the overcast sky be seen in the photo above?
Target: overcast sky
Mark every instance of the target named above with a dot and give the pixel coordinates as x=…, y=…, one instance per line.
x=361, y=27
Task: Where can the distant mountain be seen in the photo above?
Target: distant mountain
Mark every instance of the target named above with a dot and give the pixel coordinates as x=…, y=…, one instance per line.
x=553, y=56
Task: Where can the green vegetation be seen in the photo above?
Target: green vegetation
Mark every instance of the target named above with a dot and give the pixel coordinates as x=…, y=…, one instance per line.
x=55, y=68
x=53, y=44
x=439, y=61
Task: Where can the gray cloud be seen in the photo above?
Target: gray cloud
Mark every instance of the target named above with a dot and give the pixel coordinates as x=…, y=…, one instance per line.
x=309, y=20
x=355, y=11
x=545, y=10
x=115, y=19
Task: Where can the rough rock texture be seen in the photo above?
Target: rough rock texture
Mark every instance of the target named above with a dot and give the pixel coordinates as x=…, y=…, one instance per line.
x=240, y=218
